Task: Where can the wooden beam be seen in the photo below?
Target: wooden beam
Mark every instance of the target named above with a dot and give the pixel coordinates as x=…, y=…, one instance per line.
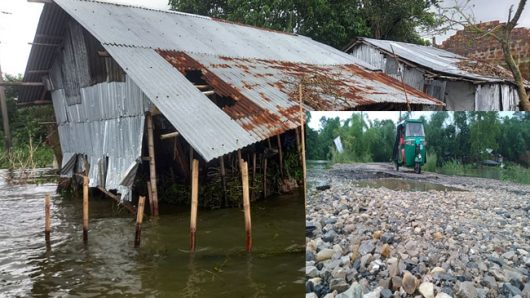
x=152, y=165
x=169, y=135
x=194, y=202
x=41, y=1
x=34, y=103
x=37, y=71
x=208, y=93
x=47, y=218
x=103, y=54
x=43, y=44
x=117, y=199
x=21, y=84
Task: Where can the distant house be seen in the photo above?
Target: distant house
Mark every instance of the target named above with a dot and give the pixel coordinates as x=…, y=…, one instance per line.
x=215, y=86
x=463, y=84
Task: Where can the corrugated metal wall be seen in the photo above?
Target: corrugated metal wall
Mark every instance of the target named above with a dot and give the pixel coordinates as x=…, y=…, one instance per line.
x=107, y=126
x=487, y=97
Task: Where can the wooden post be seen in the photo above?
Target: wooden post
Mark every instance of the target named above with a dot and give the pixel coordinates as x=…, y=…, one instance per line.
x=253, y=195
x=5, y=114
x=298, y=147
x=265, y=177
x=280, y=154
x=246, y=204
x=302, y=136
x=223, y=180
x=150, y=197
x=194, y=202
x=85, y=208
x=139, y=220
x=47, y=219
x=152, y=165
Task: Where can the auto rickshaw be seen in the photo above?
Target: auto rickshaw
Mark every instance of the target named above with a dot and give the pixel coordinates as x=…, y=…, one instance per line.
x=410, y=146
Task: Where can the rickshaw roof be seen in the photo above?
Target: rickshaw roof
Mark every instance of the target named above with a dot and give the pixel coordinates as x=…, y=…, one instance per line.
x=403, y=122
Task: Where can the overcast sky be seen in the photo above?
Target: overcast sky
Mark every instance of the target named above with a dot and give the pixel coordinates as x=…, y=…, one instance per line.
x=19, y=19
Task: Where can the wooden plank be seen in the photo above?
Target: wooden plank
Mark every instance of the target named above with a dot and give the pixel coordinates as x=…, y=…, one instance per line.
x=35, y=103
x=117, y=199
x=246, y=205
x=171, y=135
x=43, y=44
x=41, y=1
x=152, y=165
x=21, y=84
x=302, y=136
x=194, y=202
x=5, y=114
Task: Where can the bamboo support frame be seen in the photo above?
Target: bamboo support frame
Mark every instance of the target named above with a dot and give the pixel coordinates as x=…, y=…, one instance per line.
x=246, y=204
x=150, y=197
x=194, y=202
x=253, y=194
x=85, y=209
x=152, y=164
x=139, y=220
x=223, y=179
x=302, y=136
x=47, y=219
x=265, y=177
x=280, y=154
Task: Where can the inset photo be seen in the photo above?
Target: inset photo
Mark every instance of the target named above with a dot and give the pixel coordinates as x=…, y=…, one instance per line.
x=421, y=204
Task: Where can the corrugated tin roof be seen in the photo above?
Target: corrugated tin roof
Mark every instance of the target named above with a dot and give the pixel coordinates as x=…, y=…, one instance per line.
x=210, y=131
x=441, y=61
x=260, y=63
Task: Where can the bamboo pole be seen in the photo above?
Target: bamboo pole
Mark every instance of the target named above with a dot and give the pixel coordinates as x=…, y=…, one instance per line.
x=85, y=209
x=253, y=175
x=152, y=165
x=194, y=202
x=5, y=114
x=246, y=204
x=302, y=135
x=139, y=220
x=265, y=177
x=298, y=147
x=150, y=197
x=280, y=154
x=47, y=219
x=223, y=180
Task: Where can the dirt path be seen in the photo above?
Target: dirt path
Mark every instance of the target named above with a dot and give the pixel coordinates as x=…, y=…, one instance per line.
x=472, y=241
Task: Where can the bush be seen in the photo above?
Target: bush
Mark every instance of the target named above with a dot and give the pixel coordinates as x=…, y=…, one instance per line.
x=516, y=173
x=432, y=160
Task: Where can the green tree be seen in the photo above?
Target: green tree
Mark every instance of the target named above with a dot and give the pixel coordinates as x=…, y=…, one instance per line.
x=484, y=133
x=332, y=22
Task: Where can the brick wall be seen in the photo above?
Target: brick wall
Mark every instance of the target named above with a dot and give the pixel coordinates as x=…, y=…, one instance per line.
x=486, y=48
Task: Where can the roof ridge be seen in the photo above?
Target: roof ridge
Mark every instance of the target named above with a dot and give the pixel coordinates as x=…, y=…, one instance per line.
x=107, y=2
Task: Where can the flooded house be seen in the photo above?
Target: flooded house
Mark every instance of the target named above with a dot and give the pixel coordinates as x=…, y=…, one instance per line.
x=152, y=103
x=462, y=83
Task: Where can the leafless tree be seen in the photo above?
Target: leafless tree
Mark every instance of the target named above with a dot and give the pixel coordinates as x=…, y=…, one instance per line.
x=462, y=15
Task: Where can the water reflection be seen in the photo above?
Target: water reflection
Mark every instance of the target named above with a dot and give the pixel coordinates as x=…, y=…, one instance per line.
x=162, y=266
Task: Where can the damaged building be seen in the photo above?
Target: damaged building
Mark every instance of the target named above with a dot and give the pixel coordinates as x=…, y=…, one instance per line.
x=129, y=84
x=463, y=84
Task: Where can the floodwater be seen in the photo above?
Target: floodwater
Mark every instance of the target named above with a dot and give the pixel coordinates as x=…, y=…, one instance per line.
x=404, y=185
x=161, y=267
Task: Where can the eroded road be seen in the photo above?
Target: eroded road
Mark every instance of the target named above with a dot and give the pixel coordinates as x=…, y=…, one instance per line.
x=429, y=234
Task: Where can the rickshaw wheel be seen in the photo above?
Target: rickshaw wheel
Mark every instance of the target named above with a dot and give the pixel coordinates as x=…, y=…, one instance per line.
x=417, y=168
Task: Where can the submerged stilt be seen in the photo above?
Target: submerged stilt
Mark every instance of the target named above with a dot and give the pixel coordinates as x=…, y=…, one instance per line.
x=47, y=219
x=85, y=209
x=194, y=202
x=139, y=220
x=246, y=204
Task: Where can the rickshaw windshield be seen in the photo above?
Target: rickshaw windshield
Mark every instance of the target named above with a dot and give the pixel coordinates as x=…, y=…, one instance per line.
x=414, y=130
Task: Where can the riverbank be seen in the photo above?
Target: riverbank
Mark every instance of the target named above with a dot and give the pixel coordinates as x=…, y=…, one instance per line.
x=466, y=239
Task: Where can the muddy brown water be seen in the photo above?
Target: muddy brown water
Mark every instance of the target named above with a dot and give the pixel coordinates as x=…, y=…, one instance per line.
x=162, y=267
x=404, y=185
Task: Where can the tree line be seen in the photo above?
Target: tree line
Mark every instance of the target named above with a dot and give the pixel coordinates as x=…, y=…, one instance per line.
x=465, y=137
x=331, y=22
